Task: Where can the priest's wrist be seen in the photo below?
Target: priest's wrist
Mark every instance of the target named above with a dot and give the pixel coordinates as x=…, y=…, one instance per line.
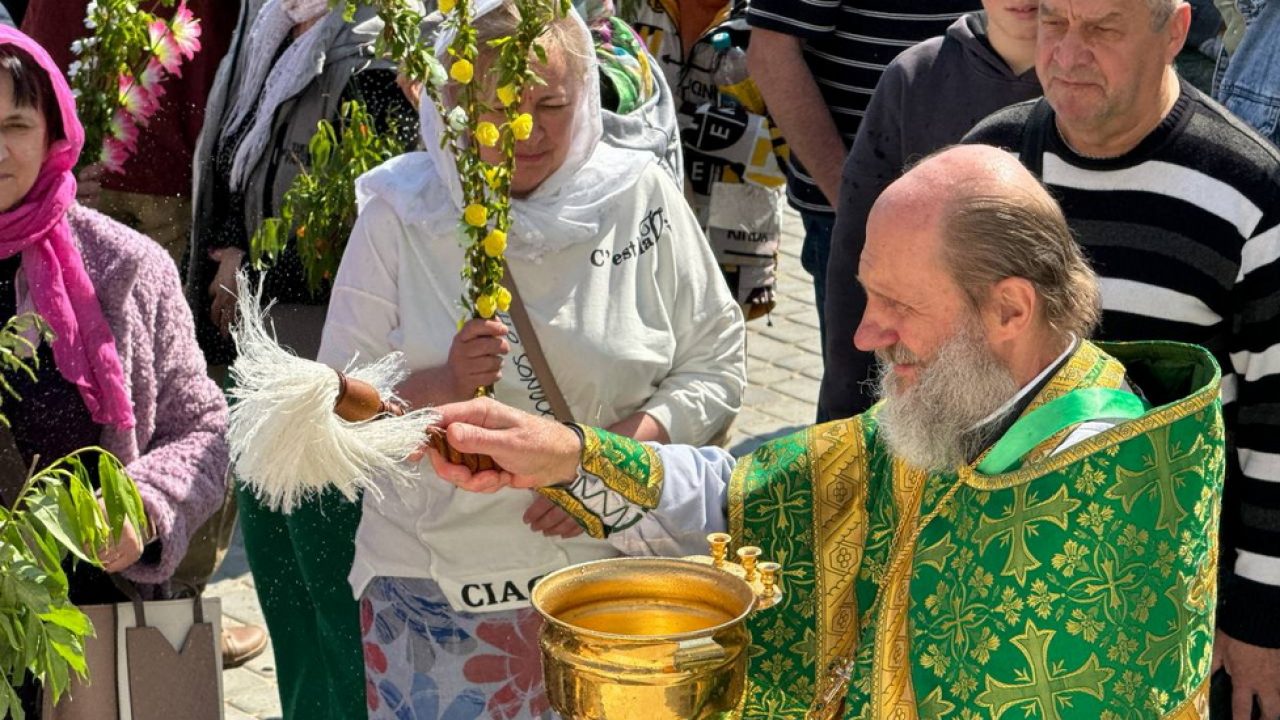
x=572, y=453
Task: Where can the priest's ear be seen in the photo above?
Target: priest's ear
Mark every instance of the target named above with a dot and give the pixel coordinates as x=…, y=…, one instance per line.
x=1012, y=310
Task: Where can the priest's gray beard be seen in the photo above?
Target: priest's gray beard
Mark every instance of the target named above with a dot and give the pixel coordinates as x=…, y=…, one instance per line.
x=930, y=424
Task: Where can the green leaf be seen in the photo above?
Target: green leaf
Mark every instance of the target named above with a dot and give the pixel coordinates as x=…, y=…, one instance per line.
x=49, y=558
x=8, y=634
x=120, y=495
x=9, y=703
x=68, y=647
x=70, y=618
x=29, y=592
x=54, y=512
x=56, y=677
x=88, y=512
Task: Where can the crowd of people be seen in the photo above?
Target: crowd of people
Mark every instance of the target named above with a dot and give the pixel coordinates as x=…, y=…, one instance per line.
x=1005, y=205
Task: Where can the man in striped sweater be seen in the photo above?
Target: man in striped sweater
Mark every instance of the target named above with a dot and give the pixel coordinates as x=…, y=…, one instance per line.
x=1177, y=203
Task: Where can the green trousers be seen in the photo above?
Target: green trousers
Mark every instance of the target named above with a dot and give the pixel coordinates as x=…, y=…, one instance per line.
x=300, y=563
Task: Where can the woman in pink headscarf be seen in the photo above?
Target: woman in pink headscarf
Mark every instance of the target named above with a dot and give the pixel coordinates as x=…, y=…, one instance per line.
x=123, y=370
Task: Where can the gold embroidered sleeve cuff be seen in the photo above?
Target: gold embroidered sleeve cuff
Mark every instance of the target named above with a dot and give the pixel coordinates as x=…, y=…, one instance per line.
x=619, y=480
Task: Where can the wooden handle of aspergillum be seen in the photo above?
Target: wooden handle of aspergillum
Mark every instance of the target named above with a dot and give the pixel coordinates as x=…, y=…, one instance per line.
x=439, y=441
x=359, y=401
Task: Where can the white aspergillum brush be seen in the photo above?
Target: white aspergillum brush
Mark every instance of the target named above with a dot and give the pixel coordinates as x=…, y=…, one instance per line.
x=289, y=438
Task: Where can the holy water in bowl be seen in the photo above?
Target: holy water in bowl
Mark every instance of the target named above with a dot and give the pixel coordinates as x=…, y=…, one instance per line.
x=641, y=617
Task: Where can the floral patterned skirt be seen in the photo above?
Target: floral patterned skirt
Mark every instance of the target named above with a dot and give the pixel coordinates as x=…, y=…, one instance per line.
x=426, y=661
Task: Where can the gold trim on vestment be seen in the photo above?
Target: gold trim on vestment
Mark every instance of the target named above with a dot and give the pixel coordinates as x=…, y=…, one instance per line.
x=840, y=473
x=1194, y=707
x=569, y=502
x=891, y=693
x=737, y=497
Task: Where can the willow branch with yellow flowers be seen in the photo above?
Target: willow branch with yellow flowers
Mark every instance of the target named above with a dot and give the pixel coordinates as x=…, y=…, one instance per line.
x=486, y=188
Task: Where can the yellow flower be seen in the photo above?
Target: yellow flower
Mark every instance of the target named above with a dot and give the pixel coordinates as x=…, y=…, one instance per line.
x=507, y=95
x=487, y=134
x=476, y=215
x=495, y=243
x=485, y=305
x=446, y=6
x=504, y=299
x=461, y=322
x=522, y=126
x=462, y=71
x=491, y=176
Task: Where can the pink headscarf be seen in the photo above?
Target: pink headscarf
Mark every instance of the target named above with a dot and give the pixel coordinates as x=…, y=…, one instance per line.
x=83, y=349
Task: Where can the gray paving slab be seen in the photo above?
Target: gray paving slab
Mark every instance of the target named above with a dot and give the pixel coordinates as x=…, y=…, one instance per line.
x=784, y=366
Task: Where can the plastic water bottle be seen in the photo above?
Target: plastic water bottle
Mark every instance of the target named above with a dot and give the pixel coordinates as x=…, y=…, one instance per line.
x=731, y=75
x=731, y=61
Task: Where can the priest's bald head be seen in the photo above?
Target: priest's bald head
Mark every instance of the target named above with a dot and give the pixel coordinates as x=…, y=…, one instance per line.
x=974, y=286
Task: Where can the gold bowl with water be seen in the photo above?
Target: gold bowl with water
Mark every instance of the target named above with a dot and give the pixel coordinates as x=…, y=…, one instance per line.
x=660, y=638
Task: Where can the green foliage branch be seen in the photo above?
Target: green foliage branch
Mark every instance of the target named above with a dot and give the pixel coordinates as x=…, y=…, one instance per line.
x=56, y=514
x=319, y=208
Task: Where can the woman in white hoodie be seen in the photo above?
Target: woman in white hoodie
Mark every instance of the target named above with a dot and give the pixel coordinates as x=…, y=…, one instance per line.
x=636, y=325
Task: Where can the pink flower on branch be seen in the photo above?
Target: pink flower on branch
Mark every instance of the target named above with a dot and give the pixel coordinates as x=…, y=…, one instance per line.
x=135, y=100
x=164, y=48
x=114, y=153
x=125, y=130
x=185, y=30
x=151, y=79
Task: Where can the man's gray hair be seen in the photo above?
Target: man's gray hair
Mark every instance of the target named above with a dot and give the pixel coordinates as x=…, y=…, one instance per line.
x=1023, y=234
x=1161, y=11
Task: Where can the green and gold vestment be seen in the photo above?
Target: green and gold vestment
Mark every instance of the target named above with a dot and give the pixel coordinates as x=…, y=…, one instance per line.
x=1080, y=584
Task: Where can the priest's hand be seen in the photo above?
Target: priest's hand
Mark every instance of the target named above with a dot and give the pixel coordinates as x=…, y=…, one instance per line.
x=530, y=451
x=1254, y=671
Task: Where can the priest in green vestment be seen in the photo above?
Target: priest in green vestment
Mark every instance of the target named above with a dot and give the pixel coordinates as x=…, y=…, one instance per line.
x=1024, y=527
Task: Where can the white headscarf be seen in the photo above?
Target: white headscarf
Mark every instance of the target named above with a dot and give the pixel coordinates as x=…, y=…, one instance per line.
x=566, y=209
x=275, y=83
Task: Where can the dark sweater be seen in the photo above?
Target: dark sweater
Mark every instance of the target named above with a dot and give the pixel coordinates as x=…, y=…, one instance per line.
x=1184, y=232
x=928, y=98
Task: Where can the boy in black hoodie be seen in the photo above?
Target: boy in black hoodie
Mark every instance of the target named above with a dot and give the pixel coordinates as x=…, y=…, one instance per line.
x=927, y=99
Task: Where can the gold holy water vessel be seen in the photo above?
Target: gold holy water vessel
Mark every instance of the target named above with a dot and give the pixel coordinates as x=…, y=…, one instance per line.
x=652, y=638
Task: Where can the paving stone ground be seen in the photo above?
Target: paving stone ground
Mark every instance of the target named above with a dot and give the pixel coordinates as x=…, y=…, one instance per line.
x=784, y=367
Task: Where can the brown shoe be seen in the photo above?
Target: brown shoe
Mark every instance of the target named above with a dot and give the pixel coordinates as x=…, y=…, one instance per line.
x=242, y=643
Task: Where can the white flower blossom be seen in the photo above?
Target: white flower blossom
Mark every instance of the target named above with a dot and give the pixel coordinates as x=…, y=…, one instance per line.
x=438, y=76
x=458, y=119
